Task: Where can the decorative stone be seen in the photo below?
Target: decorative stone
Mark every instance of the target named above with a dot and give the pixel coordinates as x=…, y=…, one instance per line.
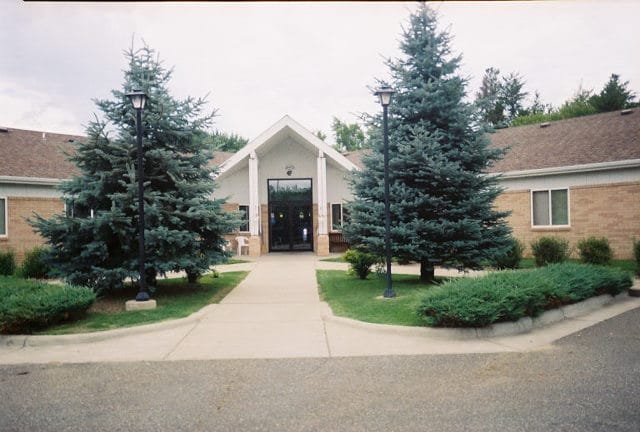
x=134, y=305
x=322, y=246
x=254, y=246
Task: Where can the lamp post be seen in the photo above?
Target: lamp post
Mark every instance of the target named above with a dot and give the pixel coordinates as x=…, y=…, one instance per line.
x=385, y=93
x=138, y=100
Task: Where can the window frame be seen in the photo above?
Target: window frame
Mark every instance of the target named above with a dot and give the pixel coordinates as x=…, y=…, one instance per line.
x=247, y=219
x=550, y=206
x=341, y=216
x=6, y=217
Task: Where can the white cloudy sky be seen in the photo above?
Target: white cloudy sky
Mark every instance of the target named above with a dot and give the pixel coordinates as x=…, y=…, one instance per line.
x=260, y=61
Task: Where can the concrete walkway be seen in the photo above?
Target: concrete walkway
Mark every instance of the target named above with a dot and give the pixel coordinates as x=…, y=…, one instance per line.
x=276, y=313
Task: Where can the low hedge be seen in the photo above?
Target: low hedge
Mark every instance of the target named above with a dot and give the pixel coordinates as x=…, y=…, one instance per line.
x=27, y=305
x=511, y=295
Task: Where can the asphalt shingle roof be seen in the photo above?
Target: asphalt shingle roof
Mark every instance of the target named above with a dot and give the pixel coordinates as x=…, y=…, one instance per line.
x=27, y=153
x=591, y=139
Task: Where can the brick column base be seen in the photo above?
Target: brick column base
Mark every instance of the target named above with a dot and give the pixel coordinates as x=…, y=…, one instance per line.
x=254, y=246
x=322, y=248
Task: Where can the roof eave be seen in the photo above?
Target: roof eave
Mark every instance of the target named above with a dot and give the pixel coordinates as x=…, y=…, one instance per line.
x=286, y=121
x=40, y=181
x=571, y=169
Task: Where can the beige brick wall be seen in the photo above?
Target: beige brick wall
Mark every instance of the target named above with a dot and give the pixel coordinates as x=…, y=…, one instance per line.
x=21, y=236
x=611, y=211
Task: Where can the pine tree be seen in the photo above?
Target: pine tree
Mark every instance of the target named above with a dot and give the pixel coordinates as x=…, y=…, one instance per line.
x=500, y=99
x=489, y=101
x=95, y=243
x=614, y=96
x=441, y=202
x=513, y=95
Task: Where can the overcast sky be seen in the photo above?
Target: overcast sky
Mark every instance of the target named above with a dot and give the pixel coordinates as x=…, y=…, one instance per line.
x=313, y=61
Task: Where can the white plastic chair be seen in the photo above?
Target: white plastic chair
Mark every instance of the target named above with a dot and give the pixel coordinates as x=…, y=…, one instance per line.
x=242, y=242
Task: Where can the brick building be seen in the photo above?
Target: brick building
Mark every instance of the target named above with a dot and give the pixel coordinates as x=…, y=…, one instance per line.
x=573, y=179
x=32, y=165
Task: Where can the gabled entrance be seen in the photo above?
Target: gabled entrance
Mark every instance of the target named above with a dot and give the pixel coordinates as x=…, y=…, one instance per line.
x=290, y=215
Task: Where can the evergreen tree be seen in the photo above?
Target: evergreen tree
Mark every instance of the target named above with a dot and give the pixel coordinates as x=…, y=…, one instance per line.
x=614, y=96
x=512, y=95
x=95, y=244
x=441, y=202
x=489, y=101
x=500, y=99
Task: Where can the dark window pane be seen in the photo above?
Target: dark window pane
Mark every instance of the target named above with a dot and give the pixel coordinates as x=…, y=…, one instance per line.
x=244, y=211
x=3, y=221
x=336, y=217
x=559, y=207
x=290, y=190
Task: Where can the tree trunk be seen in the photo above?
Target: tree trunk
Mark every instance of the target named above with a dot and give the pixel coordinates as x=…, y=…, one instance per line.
x=152, y=275
x=427, y=272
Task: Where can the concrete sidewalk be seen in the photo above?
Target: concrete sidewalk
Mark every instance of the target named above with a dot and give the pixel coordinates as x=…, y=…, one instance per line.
x=276, y=313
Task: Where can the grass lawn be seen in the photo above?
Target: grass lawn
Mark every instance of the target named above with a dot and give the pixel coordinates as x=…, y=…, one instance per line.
x=354, y=298
x=235, y=261
x=175, y=297
x=335, y=259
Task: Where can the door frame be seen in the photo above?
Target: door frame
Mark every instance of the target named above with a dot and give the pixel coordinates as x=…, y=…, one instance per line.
x=290, y=204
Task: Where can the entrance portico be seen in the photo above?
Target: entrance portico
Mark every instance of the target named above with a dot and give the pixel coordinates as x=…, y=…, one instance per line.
x=285, y=182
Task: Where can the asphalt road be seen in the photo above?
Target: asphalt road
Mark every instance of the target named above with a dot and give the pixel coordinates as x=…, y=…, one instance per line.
x=589, y=381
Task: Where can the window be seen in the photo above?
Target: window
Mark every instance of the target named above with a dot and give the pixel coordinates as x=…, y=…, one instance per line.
x=3, y=217
x=550, y=207
x=244, y=216
x=339, y=216
x=73, y=209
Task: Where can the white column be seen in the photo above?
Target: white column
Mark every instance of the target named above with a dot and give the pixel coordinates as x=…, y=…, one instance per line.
x=254, y=199
x=322, y=194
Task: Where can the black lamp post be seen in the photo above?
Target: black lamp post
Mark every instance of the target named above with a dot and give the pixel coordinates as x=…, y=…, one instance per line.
x=138, y=100
x=385, y=93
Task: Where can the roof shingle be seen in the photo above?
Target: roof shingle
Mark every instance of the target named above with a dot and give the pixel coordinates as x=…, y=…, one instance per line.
x=28, y=153
x=591, y=139
x=598, y=138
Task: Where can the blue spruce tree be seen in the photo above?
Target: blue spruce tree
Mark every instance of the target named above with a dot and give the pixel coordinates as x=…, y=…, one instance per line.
x=442, y=209
x=95, y=243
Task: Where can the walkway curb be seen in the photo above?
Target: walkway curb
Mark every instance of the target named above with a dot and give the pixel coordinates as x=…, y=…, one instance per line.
x=522, y=326
x=99, y=336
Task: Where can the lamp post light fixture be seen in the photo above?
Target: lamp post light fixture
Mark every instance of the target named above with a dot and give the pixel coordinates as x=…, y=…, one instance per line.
x=138, y=101
x=385, y=93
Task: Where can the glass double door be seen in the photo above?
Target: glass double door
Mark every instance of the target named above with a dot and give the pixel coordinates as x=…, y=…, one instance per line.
x=290, y=215
x=291, y=227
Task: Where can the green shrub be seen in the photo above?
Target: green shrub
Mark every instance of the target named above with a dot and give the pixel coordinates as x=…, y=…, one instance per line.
x=511, y=259
x=595, y=250
x=34, y=265
x=360, y=261
x=550, y=250
x=27, y=305
x=636, y=254
x=511, y=295
x=7, y=263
